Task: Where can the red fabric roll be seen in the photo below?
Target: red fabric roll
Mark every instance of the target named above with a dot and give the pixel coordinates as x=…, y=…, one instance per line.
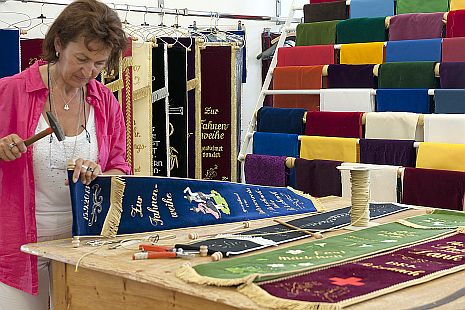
x=455, y=26
x=334, y=124
x=306, y=55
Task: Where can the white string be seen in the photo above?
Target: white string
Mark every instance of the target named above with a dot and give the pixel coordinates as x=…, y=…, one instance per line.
x=360, y=213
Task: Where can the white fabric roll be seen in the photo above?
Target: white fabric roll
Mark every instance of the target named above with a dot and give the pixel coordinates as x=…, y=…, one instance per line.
x=445, y=128
x=347, y=100
x=391, y=125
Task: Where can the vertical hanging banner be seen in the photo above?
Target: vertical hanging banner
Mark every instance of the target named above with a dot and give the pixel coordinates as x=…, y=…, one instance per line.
x=160, y=105
x=114, y=81
x=31, y=49
x=142, y=107
x=126, y=103
x=10, y=53
x=218, y=113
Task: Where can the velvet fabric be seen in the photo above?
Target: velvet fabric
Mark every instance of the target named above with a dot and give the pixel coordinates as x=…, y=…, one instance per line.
x=320, y=12
x=416, y=26
x=318, y=178
x=361, y=30
x=388, y=152
x=280, y=120
x=414, y=50
x=455, y=26
x=453, y=49
x=452, y=75
x=319, y=33
x=407, y=75
x=305, y=55
x=403, y=100
x=334, y=124
x=265, y=170
x=448, y=101
x=421, y=6
x=371, y=8
x=276, y=144
x=351, y=76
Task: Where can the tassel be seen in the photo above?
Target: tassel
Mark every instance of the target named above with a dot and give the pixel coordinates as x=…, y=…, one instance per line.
x=315, y=201
x=112, y=220
x=188, y=274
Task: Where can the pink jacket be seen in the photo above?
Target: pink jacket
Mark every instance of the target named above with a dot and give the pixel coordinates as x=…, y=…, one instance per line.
x=22, y=98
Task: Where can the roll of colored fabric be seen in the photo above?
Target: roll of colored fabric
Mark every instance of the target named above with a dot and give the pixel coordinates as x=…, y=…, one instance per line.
x=334, y=124
x=351, y=76
x=318, y=178
x=421, y=6
x=347, y=100
x=362, y=53
x=449, y=101
x=361, y=30
x=280, y=120
x=416, y=26
x=391, y=125
x=276, y=144
x=388, y=152
x=326, y=11
x=434, y=188
x=320, y=33
x=453, y=49
x=383, y=183
x=457, y=5
x=403, y=100
x=441, y=156
x=414, y=50
x=407, y=75
x=371, y=8
x=305, y=55
x=329, y=148
x=265, y=170
x=10, y=53
x=455, y=26
x=452, y=74
x=442, y=128
x=297, y=77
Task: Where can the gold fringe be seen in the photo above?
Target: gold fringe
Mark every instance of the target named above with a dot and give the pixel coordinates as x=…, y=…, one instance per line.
x=127, y=62
x=413, y=225
x=115, y=85
x=315, y=201
x=188, y=274
x=192, y=84
x=111, y=224
x=461, y=230
x=262, y=298
x=141, y=93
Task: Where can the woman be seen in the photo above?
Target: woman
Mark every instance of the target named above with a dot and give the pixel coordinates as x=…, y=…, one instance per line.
x=35, y=202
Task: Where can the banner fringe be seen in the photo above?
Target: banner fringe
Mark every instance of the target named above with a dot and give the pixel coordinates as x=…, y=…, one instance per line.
x=188, y=274
x=314, y=200
x=262, y=298
x=413, y=225
x=112, y=220
x=461, y=230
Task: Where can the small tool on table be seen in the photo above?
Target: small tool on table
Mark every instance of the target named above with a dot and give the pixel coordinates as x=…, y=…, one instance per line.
x=150, y=251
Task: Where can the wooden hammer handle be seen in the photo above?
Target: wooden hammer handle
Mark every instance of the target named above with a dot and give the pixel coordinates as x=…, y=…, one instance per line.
x=38, y=136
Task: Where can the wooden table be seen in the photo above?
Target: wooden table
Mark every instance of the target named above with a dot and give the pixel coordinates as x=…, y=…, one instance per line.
x=110, y=279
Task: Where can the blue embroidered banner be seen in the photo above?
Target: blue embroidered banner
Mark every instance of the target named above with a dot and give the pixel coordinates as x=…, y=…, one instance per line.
x=9, y=54
x=159, y=203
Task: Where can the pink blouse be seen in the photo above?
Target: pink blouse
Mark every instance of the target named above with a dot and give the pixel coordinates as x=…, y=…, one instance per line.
x=22, y=98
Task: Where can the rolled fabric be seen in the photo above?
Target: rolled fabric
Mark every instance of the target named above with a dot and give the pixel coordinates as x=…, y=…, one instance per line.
x=453, y=49
x=455, y=26
x=320, y=33
x=457, y=4
x=403, y=100
x=421, y=6
x=442, y=128
x=351, y=76
x=414, y=50
x=318, y=178
x=452, y=74
x=418, y=74
x=328, y=148
x=265, y=170
x=434, y=188
x=280, y=120
x=416, y=26
x=371, y=8
x=276, y=144
x=320, y=12
x=449, y=101
x=361, y=30
x=334, y=124
x=441, y=156
x=347, y=100
x=362, y=53
x=391, y=125
x=388, y=152
x=305, y=55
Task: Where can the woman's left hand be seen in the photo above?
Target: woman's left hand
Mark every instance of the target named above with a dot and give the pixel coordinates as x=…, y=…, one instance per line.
x=86, y=170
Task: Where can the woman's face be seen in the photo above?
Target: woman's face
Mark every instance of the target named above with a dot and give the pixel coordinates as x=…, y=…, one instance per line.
x=77, y=64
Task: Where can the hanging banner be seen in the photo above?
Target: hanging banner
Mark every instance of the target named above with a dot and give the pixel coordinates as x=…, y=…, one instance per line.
x=131, y=204
x=126, y=103
x=31, y=50
x=10, y=53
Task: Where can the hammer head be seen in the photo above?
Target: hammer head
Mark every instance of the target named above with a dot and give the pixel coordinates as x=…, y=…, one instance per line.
x=55, y=126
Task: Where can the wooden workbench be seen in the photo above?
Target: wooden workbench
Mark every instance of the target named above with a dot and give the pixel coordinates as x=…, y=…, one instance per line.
x=110, y=279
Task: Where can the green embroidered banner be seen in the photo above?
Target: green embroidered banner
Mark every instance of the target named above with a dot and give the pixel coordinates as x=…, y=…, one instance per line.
x=439, y=219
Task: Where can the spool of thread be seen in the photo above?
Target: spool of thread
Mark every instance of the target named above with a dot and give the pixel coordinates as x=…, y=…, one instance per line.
x=203, y=251
x=360, y=213
x=217, y=256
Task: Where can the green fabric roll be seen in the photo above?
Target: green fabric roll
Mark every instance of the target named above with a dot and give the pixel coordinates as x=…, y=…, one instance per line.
x=360, y=30
x=418, y=74
x=421, y=6
x=320, y=33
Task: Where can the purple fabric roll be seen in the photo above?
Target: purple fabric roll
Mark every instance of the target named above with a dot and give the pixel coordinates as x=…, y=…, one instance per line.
x=265, y=170
x=351, y=76
x=388, y=152
x=416, y=26
x=452, y=74
x=318, y=178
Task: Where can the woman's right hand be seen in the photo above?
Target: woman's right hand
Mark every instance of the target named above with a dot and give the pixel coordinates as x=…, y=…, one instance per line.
x=11, y=147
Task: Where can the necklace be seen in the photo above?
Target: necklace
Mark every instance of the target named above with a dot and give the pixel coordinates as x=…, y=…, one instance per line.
x=66, y=103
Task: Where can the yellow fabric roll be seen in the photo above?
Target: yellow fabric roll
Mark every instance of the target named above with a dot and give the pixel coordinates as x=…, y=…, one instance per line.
x=457, y=5
x=362, y=53
x=329, y=148
x=441, y=156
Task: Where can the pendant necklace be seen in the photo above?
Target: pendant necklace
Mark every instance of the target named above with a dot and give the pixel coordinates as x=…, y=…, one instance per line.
x=66, y=103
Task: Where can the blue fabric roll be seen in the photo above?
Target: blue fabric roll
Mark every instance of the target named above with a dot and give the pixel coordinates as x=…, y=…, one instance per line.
x=371, y=8
x=414, y=50
x=276, y=144
x=9, y=54
x=403, y=100
x=280, y=120
x=449, y=101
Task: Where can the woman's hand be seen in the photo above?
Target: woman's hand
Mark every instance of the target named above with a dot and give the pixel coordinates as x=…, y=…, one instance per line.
x=11, y=147
x=86, y=170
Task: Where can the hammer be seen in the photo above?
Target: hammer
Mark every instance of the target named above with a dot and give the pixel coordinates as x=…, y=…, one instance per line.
x=54, y=128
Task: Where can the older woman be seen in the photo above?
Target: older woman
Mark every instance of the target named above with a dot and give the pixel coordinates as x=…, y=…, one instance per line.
x=35, y=204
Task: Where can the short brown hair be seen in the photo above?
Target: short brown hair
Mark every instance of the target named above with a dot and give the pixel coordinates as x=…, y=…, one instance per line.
x=94, y=21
